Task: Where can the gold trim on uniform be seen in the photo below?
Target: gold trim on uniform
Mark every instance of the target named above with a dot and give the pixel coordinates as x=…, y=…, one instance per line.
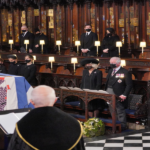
x=78, y=138
x=38, y=149
x=24, y=139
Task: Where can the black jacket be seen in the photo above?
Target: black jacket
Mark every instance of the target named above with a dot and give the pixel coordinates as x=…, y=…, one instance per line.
x=121, y=86
x=110, y=43
x=29, y=36
x=17, y=143
x=14, y=69
x=29, y=72
x=59, y=131
x=37, y=41
x=2, y=69
x=89, y=42
x=95, y=80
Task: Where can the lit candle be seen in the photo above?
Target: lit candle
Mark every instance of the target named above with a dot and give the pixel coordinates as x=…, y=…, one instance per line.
x=142, y=44
x=74, y=61
x=77, y=43
x=123, y=63
x=34, y=58
x=58, y=43
x=26, y=42
x=97, y=44
x=119, y=44
x=42, y=42
x=11, y=42
x=51, y=59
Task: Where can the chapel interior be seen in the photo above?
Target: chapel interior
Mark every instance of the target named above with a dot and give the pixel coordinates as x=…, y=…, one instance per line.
x=63, y=23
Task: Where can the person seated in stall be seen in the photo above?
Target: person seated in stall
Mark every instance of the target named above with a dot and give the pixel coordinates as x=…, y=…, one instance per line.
x=26, y=35
x=109, y=48
x=37, y=47
x=14, y=67
x=46, y=127
x=119, y=82
x=92, y=79
x=29, y=70
x=2, y=67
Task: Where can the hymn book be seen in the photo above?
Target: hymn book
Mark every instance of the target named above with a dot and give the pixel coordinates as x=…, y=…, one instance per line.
x=8, y=122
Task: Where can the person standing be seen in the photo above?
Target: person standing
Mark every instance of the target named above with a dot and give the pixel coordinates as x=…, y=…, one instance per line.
x=29, y=70
x=14, y=67
x=26, y=35
x=119, y=82
x=109, y=48
x=88, y=42
x=37, y=47
x=92, y=80
x=2, y=67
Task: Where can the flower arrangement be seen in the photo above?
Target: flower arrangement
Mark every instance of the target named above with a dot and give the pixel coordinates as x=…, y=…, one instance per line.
x=93, y=127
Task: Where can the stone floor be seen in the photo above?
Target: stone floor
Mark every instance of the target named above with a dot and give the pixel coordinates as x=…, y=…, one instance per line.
x=134, y=140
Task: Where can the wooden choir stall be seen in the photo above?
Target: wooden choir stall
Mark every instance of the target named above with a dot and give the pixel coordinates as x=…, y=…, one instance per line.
x=64, y=21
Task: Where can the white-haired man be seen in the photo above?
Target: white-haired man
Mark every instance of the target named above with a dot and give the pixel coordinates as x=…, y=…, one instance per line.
x=26, y=35
x=46, y=127
x=119, y=82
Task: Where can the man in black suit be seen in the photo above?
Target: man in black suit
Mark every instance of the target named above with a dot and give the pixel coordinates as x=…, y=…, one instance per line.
x=26, y=35
x=119, y=82
x=88, y=41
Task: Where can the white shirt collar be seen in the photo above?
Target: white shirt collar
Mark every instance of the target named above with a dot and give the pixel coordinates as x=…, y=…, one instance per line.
x=25, y=33
x=88, y=32
x=116, y=69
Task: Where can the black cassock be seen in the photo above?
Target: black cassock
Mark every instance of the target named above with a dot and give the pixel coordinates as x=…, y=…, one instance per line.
x=14, y=69
x=47, y=128
x=29, y=72
x=37, y=41
x=110, y=43
x=2, y=69
x=92, y=81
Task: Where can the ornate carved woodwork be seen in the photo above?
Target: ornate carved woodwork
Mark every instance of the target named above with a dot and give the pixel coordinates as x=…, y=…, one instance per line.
x=132, y=28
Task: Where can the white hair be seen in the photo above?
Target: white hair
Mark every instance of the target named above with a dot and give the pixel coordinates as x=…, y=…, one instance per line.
x=118, y=60
x=95, y=66
x=43, y=96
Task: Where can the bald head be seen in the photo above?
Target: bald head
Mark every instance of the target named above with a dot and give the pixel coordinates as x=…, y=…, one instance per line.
x=24, y=28
x=42, y=96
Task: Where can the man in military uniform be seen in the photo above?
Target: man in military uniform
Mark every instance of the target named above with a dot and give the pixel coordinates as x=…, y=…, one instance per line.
x=119, y=82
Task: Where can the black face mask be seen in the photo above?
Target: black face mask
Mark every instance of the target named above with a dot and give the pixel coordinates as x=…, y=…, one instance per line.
x=88, y=30
x=13, y=63
x=37, y=34
x=88, y=67
x=27, y=61
x=23, y=31
x=113, y=65
x=109, y=34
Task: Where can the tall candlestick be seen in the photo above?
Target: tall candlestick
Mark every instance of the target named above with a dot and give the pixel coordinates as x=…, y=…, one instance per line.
x=97, y=44
x=58, y=43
